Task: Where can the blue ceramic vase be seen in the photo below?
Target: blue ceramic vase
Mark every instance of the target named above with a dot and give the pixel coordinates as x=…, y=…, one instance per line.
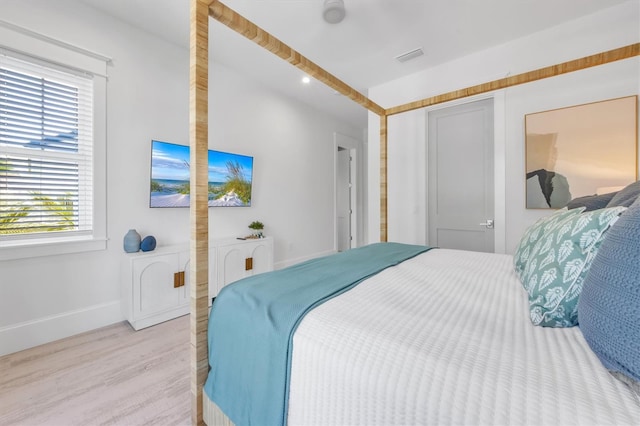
x=132, y=241
x=148, y=243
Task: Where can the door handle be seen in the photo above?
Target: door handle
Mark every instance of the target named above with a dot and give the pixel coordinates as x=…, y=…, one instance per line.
x=178, y=279
x=488, y=224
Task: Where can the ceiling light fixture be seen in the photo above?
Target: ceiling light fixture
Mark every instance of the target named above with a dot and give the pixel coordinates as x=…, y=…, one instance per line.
x=306, y=80
x=333, y=11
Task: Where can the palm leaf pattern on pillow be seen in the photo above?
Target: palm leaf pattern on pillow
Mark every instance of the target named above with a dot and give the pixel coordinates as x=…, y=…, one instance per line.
x=588, y=239
x=564, y=228
x=572, y=270
x=558, y=263
x=553, y=297
x=565, y=250
x=546, y=245
x=551, y=257
x=549, y=276
x=530, y=244
x=580, y=223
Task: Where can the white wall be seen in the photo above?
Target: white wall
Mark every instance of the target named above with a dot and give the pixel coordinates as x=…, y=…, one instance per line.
x=293, y=149
x=612, y=28
x=47, y=298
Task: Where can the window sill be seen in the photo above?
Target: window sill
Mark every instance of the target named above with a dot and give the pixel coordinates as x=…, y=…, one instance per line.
x=11, y=250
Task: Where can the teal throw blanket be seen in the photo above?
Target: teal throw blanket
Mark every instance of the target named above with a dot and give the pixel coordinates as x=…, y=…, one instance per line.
x=252, y=323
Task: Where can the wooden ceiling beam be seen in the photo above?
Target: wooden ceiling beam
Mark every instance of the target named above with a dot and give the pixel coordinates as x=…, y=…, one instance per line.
x=248, y=29
x=527, y=77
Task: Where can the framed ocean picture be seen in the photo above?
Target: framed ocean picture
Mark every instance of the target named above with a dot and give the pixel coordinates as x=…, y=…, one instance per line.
x=580, y=150
x=230, y=177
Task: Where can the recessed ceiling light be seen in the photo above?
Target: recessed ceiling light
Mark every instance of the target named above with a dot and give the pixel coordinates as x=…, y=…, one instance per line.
x=306, y=80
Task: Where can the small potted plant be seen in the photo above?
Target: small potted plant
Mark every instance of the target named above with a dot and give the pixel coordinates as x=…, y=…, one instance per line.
x=256, y=228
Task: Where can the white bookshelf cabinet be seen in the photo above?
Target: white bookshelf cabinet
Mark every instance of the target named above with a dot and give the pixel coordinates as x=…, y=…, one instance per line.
x=155, y=284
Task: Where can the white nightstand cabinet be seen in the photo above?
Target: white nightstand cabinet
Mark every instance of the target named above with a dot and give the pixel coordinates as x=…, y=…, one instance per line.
x=239, y=259
x=155, y=284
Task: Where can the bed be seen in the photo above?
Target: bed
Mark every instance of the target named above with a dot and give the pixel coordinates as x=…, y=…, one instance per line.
x=493, y=354
x=443, y=337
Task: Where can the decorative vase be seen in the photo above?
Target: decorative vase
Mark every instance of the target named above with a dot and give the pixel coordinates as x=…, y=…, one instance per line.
x=148, y=243
x=132, y=241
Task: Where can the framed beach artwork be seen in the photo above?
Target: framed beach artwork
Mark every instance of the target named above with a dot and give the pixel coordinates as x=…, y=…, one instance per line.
x=230, y=177
x=580, y=150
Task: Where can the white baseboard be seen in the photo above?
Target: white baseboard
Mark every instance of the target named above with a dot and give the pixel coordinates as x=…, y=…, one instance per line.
x=25, y=335
x=28, y=334
x=290, y=262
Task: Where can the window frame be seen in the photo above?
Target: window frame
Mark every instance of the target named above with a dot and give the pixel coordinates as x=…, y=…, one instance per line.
x=37, y=48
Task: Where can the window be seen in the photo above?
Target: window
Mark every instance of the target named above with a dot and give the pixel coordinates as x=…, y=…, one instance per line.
x=45, y=151
x=52, y=152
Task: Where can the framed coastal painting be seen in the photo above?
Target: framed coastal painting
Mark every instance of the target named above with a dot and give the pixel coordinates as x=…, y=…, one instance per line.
x=580, y=150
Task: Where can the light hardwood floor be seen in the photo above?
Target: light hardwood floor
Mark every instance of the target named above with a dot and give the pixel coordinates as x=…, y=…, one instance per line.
x=110, y=376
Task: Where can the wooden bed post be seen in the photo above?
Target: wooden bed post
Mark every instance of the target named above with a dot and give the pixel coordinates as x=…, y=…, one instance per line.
x=383, y=177
x=199, y=211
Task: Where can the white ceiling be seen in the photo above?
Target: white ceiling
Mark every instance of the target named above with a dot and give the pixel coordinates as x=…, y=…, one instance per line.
x=361, y=49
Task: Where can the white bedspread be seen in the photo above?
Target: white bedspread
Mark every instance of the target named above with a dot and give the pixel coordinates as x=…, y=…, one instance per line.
x=445, y=338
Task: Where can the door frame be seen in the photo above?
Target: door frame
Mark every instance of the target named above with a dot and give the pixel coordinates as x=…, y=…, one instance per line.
x=499, y=162
x=355, y=148
x=345, y=157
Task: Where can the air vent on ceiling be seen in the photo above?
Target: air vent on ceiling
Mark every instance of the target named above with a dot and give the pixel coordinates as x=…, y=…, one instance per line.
x=410, y=55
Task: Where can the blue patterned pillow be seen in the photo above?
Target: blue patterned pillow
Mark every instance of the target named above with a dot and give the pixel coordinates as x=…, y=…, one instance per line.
x=559, y=263
x=609, y=308
x=533, y=234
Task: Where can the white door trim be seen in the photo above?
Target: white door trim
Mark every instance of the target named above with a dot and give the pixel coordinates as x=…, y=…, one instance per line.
x=357, y=182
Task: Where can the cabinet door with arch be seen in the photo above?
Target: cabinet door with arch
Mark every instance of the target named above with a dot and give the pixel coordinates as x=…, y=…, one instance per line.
x=231, y=264
x=240, y=260
x=261, y=254
x=155, y=291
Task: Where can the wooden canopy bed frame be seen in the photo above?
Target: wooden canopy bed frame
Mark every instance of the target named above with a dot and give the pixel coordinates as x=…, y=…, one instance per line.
x=201, y=11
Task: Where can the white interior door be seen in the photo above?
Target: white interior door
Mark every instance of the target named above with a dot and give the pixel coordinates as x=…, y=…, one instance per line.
x=343, y=198
x=460, y=177
x=350, y=189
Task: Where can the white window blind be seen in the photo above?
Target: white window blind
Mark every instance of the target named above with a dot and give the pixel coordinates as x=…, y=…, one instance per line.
x=46, y=150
